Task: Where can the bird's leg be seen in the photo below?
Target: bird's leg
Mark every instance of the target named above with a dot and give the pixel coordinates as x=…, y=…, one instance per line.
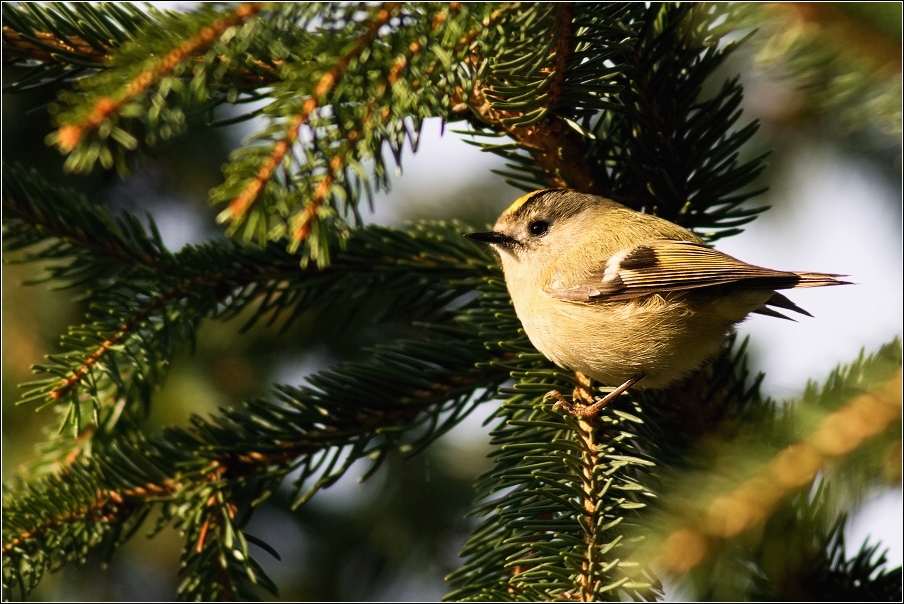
x=581, y=393
x=593, y=408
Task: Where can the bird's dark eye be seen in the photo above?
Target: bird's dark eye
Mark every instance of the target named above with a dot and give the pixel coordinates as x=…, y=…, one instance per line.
x=538, y=227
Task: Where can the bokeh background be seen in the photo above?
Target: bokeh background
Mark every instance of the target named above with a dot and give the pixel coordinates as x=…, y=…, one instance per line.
x=825, y=84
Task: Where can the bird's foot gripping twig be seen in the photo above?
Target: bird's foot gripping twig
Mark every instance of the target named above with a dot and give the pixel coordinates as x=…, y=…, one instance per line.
x=589, y=408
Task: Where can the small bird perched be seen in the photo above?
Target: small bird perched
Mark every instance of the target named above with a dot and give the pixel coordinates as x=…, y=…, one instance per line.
x=620, y=296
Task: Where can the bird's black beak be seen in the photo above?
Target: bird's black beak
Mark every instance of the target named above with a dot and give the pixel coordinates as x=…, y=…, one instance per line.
x=493, y=237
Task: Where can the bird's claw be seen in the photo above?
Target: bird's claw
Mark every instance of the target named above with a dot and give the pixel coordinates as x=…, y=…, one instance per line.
x=593, y=407
x=576, y=409
x=560, y=403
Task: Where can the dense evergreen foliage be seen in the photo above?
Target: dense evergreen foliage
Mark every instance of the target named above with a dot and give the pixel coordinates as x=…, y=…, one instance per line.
x=707, y=480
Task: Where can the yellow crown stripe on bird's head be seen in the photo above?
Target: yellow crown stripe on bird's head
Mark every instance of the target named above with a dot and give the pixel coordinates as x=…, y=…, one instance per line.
x=519, y=203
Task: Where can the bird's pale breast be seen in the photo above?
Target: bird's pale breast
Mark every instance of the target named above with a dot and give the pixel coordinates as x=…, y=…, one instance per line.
x=663, y=337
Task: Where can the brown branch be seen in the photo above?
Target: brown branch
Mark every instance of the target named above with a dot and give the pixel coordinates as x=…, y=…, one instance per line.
x=244, y=200
x=59, y=229
x=589, y=435
x=108, y=506
x=124, y=330
x=69, y=135
x=306, y=220
x=586, y=435
x=558, y=150
x=111, y=504
x=837, y=435
x=249, y=195
x=48, y=46
x=203, y=535
x=561, y=50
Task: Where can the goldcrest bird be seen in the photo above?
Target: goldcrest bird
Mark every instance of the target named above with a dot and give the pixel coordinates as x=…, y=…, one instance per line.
x=620, y=296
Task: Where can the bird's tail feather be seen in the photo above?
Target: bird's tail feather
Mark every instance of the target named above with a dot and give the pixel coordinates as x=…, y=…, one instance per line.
x=780, y=301
x=819, y=280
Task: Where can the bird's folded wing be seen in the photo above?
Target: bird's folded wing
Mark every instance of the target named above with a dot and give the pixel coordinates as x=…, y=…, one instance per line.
x=677, y=265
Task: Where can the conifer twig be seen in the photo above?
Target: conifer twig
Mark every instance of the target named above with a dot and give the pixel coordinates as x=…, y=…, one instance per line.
x=112, y=504
x=48, y=46
x=37, y=219
x=557, y=149
x=239, y=206
x=586, y=436
x=109, y=506
x=125, y=329
x=70, y=134
x=836, y=435
x=305, y=221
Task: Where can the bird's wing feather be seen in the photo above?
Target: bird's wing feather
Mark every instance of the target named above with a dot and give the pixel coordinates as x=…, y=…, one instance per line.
x=665, y=266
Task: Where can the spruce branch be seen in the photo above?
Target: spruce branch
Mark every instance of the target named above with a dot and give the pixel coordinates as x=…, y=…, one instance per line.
x=126, y=330
x=314, y=191
x=308, y=216
x=673, y=153
x=556, y=501
x=71, y=133
x=98, y=501
x=121, y=348
x=159, y=298
x=60, y=41
x=63, y=42
x=239, y=206
x=832, y=574
x=240, y=457
x=595, y=485
x=520, y=100
x=63, y=224
x=749, y=486
x=159, y=69
x=801, y=555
